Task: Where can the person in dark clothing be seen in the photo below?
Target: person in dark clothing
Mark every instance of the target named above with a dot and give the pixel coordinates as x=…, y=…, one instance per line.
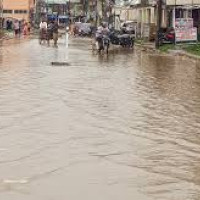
x=49, y=32
x=55, y=32
x=7, y=25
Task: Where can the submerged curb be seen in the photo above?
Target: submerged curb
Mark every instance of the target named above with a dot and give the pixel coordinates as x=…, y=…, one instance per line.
x=189, y=55
x=181, y=53
x=147, y=47
x=184, y=53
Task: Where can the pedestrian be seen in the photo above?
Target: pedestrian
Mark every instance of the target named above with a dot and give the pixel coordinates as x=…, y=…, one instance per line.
x=16, y=27
x=10, y=25
x=7, y=25
x=25, y=29
x=43, y=25
x=43, y=31
x=20, y=28
x=55, y=32
x=29, y=27
x=50, y=32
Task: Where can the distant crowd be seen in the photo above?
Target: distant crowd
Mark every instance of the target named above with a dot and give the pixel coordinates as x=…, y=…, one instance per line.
x=19, y=27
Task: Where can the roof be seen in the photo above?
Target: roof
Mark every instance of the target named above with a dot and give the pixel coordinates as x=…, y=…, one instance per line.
x=135, y=2
x=61, y=1
x=183, y=2
x=127, y=2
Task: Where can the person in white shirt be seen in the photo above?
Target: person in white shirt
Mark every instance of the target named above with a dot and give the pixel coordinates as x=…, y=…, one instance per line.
x=102, y=31
x=99, y=32
x=43, y=25
x=43, y=31
x=16, y=27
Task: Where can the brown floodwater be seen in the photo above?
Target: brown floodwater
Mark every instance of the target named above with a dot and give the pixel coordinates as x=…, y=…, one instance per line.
x=121, y=127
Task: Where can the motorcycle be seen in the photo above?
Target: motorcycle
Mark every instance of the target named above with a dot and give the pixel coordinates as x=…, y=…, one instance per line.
x=167, y=37
x=119, y=38
x=103, y=44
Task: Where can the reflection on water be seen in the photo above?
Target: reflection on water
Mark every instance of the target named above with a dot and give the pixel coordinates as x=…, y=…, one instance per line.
x=124, y=126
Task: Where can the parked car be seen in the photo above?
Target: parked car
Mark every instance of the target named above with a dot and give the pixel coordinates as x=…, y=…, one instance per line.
x=129, y=27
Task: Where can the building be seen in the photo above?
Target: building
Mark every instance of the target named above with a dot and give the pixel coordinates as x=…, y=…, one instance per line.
x=144, y=13
x=18, y=9
x=62, y=8
x=98, y=11
x=182, y=9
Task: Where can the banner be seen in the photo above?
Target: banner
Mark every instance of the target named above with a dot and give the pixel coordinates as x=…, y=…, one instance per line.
x=185, y=30
x=184, y=23
x=185, y=34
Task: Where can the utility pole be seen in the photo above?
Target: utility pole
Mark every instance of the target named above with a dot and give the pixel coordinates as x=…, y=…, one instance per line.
x=159, y=22
x=96, y=13
x=102, y=9
x=86, y=8
x=69, y=11
x=1, y=25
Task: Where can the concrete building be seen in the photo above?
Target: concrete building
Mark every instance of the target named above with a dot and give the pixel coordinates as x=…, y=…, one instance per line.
x=182, y=9
x=18, y=9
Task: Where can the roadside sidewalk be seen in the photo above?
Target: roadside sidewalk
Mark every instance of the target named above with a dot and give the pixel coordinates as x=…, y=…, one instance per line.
x=150, y=46
x=146, y=45
x=7, y=36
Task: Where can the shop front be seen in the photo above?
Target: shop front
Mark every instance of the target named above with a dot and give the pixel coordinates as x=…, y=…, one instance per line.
x=184, y=17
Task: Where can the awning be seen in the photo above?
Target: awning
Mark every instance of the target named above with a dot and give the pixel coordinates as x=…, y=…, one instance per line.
x=182, y=2
x=135, y=2
x=189, y=7
x=63, y=17
x=52, y=17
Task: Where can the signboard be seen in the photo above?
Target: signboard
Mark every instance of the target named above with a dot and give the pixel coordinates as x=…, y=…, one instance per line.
x=185, y=34
x=185, y=30
x=184, y=23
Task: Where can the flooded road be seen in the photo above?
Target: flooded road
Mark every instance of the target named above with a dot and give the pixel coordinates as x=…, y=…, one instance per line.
x=121, y=127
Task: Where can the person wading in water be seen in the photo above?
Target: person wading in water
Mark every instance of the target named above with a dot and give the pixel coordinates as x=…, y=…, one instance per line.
x=55, y=32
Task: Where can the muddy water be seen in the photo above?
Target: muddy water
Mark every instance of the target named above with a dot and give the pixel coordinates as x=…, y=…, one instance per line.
x=105, y=128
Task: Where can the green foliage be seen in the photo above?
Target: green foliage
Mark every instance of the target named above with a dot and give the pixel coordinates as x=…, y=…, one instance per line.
x=190, y=48
x=194, y=49
x=139, y=41
x=166, y=47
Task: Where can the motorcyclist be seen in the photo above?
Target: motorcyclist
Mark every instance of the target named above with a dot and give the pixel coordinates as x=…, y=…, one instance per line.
x=102, y=31
x=99, y=32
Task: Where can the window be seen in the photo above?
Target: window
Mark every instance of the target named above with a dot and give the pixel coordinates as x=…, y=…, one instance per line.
x=20, y=11
x=7, y=11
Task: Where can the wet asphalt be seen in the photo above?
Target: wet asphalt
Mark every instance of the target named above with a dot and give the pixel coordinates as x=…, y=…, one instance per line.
x=118, y=127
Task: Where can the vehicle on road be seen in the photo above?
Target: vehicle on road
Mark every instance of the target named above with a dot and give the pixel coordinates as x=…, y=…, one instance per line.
x=123, y=39
x=128, y=27
x=83, y=29
x=103, y=44
x=167, y=36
